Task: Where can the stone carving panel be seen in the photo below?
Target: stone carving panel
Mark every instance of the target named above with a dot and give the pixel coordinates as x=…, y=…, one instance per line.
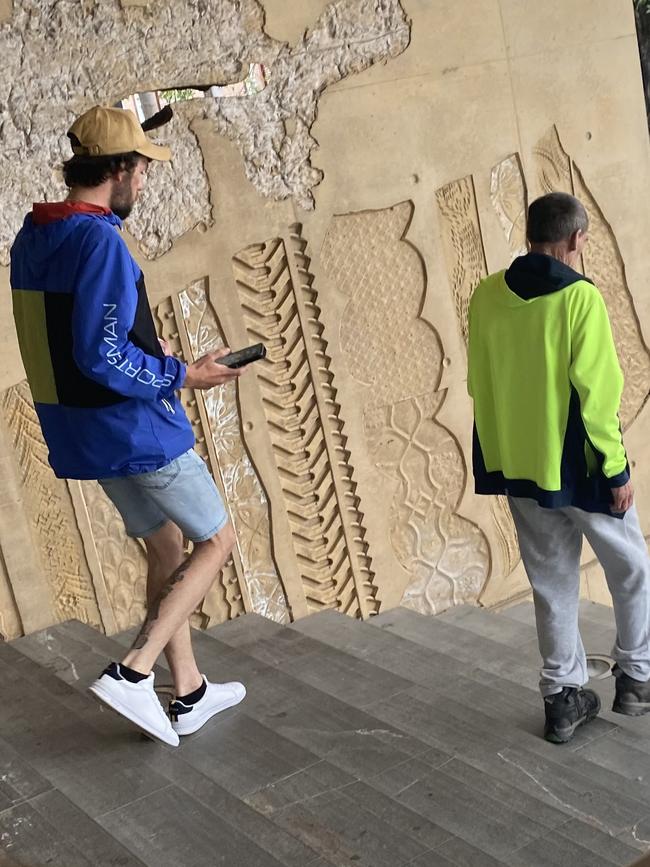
x=603, y=264
x=510, y=201
x=461, y=236
x=246, y=499
x=366, y=257
x=123, y=561
x=465, y=255
x=299, y=399
x=164, y=45
x=225, y=599
x=51, y=513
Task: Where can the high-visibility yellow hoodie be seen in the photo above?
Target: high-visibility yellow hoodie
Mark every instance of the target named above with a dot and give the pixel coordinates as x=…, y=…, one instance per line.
x=546, y=384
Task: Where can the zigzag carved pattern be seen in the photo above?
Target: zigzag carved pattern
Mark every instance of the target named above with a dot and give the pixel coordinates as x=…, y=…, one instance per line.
x=306, y=431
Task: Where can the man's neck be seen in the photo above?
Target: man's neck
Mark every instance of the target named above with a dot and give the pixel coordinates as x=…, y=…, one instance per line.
x=556, y=251
x=92, y=195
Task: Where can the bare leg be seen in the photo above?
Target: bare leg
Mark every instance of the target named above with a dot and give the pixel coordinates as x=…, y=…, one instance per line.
x=180, y=595
x=165, y=554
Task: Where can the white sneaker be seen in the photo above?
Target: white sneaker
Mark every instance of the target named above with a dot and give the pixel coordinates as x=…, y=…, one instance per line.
x=136, y=701
x=188, y=718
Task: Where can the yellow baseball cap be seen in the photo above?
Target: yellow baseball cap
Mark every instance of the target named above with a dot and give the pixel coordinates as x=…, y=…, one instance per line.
x=102, y=132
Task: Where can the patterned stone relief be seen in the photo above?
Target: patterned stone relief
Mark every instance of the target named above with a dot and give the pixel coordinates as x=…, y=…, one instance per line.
x=461, y=236
x=244, y=493
x=51, y=512
x=463, y=245
x=164, y=45
x=123, y=561
x=226, y=598
x=510, y=201
x=367, y=258
x=603, y=264
x=299, y=399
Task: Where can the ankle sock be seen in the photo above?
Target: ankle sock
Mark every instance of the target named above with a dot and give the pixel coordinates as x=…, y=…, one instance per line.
x=193, y=697
x=118, y=671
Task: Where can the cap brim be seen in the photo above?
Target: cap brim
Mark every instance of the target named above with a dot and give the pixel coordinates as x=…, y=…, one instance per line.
x=154, y=151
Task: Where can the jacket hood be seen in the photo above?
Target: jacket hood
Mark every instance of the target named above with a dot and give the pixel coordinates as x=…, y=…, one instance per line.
x=536, y=274
x=49, y=224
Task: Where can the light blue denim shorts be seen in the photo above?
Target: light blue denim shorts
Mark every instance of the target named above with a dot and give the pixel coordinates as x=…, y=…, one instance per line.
x=183, y=492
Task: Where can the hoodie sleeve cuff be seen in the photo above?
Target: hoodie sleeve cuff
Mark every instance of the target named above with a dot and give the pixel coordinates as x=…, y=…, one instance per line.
x=178, y=381
x=620, y=479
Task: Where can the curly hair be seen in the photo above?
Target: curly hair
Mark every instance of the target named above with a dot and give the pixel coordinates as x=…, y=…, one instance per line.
x=83, y=171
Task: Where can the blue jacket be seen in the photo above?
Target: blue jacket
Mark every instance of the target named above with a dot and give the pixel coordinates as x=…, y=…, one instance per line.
x=103, y=389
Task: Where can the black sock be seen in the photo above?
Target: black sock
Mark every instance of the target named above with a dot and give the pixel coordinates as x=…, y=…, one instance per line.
x=193, y=697
x=120, y=671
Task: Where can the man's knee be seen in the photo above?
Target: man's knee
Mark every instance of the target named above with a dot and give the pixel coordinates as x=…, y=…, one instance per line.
x=221, y=543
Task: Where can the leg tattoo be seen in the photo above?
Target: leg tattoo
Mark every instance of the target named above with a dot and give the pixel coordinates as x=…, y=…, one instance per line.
x=154, y=610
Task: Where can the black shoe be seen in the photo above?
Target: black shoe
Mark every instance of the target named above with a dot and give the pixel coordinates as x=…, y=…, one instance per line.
x=567, y=710
x=632, y=696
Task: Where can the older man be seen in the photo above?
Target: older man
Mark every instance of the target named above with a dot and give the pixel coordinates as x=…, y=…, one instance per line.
x=105, y=394
x=546, y=385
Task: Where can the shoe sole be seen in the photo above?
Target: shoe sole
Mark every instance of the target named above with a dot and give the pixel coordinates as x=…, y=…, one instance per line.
x=565, y=735
x=108, y=700
x=634, y=708
x=205, y=717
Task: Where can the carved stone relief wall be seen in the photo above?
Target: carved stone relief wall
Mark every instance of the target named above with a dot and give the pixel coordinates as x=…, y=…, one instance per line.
x=367, y=258
x=344, y=457
x=603, y=263
x=297, y=391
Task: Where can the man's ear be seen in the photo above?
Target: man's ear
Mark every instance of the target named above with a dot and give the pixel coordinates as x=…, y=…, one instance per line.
x=574, y=240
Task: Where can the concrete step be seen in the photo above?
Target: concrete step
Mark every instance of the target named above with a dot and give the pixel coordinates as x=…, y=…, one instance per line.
x=405, y=740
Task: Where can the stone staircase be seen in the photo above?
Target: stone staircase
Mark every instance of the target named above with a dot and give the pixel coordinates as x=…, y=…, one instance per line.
x=402, y=741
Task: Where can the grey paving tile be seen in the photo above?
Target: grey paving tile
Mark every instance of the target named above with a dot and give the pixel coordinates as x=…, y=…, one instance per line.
x=242, y=756
x=74, y=826
x=396, y=815
x=344, y=832
x=346, y=678
x=490, y=625
x=298, y=788
x=554, y=850
x=596, y=841
x=170, y=828
x=27, y=839
x=615, y=755
x=353, y=740
x=485, y=824
x=522, y=612
x=434, y=725
x=18, y=780
x=244, y=630
x=582, y=789
x=474, y=650
x=504, y=793
x=602, y=614
x=238, y=815
x=432, y=859
x=461, y=853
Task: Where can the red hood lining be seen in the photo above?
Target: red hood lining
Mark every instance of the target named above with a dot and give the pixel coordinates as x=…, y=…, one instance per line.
x=50, y=212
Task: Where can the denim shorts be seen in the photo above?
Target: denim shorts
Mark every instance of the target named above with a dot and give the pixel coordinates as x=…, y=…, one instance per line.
x=183, y=492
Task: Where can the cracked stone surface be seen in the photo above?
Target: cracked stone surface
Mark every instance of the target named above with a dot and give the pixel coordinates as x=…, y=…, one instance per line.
x=62, y=56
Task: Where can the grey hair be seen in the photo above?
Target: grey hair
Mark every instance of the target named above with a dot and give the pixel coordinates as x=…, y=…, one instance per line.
x=555, y=217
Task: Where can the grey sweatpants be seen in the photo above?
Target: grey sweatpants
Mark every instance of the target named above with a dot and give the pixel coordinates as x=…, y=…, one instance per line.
x=551, y=542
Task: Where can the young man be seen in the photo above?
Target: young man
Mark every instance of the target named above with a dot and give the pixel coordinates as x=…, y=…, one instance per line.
x=547, y=386
x=105, y=394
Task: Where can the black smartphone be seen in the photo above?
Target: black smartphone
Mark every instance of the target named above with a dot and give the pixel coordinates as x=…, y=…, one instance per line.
x=243, y=356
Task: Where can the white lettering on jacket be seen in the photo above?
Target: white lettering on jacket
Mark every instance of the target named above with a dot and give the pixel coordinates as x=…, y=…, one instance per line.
x=124, y=365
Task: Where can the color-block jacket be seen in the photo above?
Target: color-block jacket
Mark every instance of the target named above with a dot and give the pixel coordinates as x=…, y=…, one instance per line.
x=103, y=389
x=546, y=385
